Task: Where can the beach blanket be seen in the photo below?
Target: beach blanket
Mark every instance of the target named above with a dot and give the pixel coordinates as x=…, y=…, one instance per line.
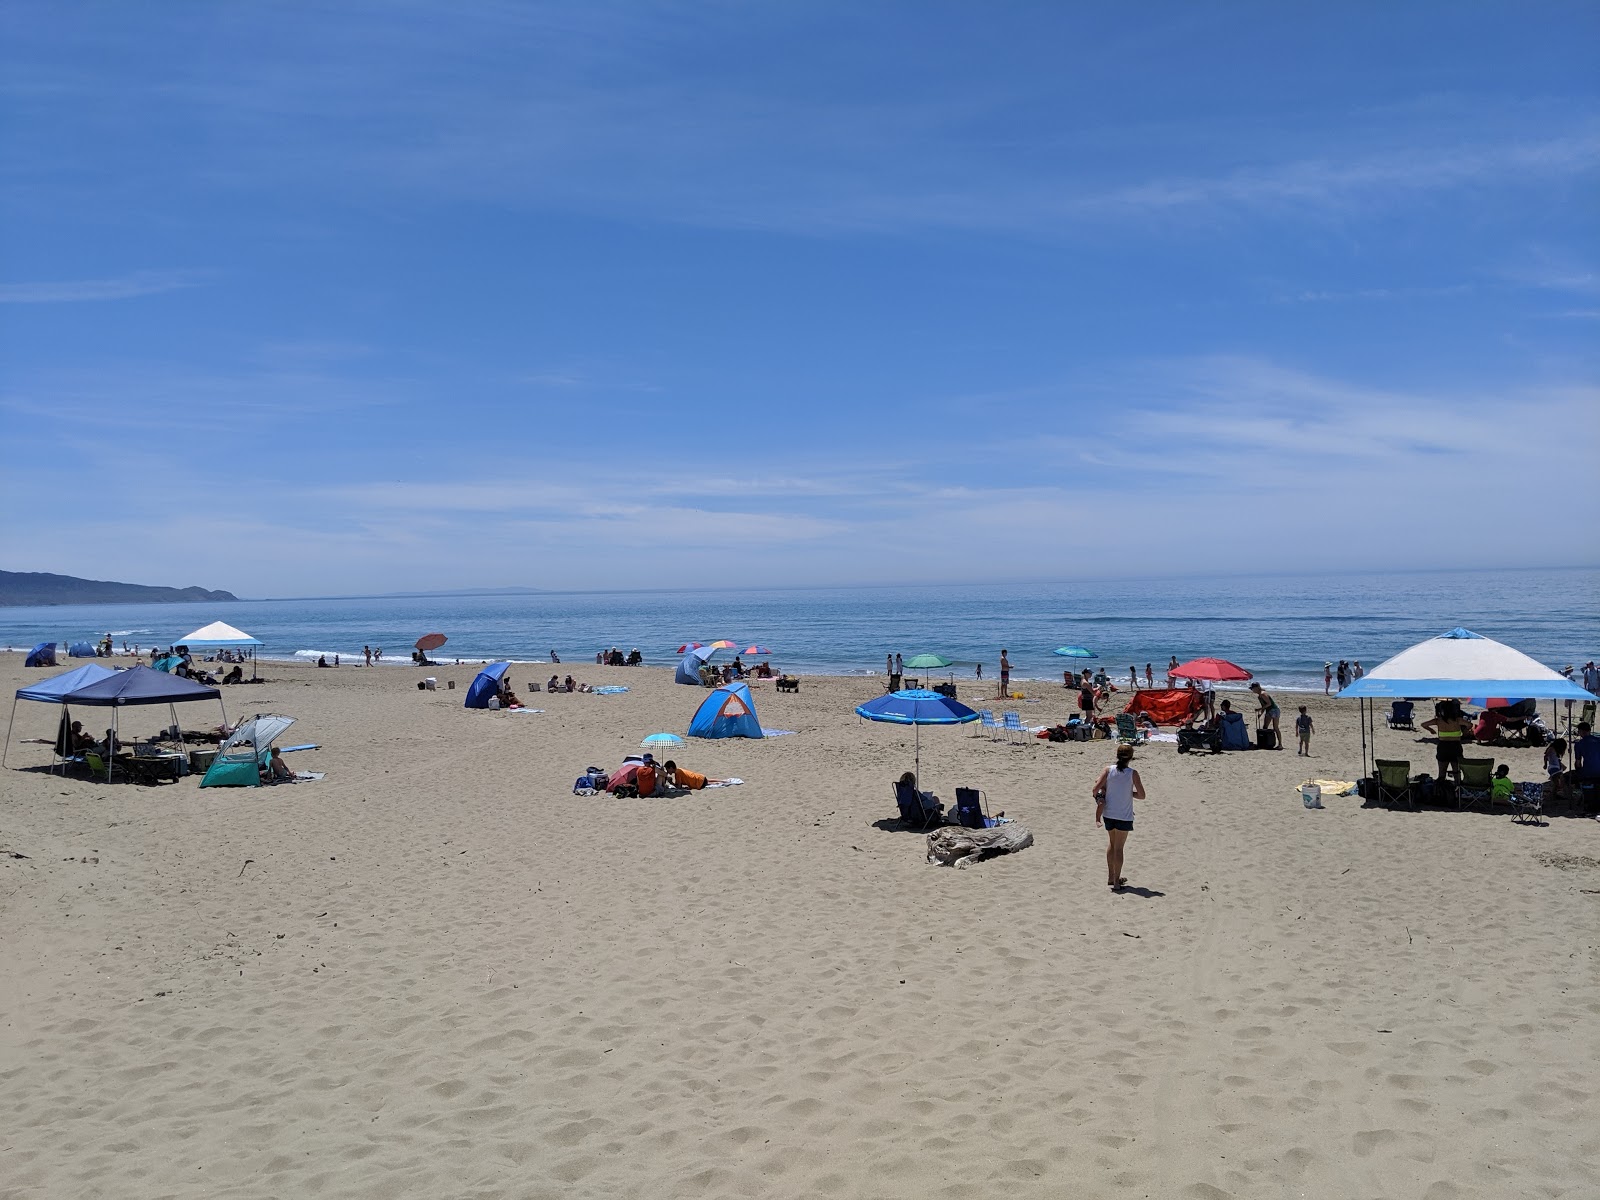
x=1161, y=737
x=725, y=783
x=1332, y=787
x=765, y=732
x=523, y=710
x=611, y=689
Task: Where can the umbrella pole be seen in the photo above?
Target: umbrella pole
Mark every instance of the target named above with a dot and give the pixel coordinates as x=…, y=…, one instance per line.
x=9, y=722
x=917, y=762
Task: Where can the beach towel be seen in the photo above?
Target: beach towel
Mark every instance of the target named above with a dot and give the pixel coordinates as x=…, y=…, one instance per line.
x=1332, y=787
x=1162, y=737
x=725, y=783
x=611, y=689
x=525, y=710
x=765, y=732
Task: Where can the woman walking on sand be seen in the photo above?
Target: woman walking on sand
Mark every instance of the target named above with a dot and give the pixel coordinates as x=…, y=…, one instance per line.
x=1115, y=791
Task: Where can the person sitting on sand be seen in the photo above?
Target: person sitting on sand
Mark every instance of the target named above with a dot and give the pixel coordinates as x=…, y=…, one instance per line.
x=234, y=676
x=277, y=770
x=682, y=777
x=571, y=685
x=509, y=698
x=322, y=660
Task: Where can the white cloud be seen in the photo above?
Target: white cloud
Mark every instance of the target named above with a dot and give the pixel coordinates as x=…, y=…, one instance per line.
x=124, y=287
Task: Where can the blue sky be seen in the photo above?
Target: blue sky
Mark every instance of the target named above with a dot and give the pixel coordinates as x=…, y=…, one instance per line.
x=301, y=299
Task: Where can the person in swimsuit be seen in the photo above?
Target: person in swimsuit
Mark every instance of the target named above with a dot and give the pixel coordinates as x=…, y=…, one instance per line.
x=1115, y=791
x=1005, y=674
x=1267, y=715
x=1451, y=728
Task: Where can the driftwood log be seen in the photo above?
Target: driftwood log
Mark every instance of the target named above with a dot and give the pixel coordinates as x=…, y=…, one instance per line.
x=956, y=846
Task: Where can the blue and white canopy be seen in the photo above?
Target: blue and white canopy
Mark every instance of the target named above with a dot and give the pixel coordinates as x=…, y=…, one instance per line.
x=1462, y=664
x=218, y=633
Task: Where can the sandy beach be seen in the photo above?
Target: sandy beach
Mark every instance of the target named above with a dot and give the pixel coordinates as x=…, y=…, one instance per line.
x=438, y=973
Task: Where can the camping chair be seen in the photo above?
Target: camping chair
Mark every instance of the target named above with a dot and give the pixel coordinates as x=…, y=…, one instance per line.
x=1013, y=724
x=96, y=764
x=1477, y=782
x=1393, y=781
x=1527, y=802
x=970, y=809
x=1128, y=730
x=914, y=810
x=990, y=725
x=1400, y=715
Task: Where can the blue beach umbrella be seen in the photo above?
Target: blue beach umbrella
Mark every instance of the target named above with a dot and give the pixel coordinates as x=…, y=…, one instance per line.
x=916, y=707
x=661, y=741
x=1075, y=652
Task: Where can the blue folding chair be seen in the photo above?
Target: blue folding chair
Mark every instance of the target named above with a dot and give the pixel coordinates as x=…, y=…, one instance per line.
x=914, y=808
x=970, y=809
x=990, y=725
x=1013, y=724
x=1400, y=715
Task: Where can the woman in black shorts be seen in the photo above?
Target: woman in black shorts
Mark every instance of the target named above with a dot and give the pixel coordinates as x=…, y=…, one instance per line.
x=1114, y=793
x=1450, y=726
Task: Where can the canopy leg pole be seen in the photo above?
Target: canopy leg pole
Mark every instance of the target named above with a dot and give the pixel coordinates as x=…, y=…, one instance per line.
x=111, y=749
x=9, y=721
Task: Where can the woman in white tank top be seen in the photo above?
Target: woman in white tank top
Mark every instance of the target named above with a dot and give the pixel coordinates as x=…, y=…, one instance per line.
x=1114, y=793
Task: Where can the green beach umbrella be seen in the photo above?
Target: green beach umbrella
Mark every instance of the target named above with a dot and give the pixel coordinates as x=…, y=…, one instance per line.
x=928, y=662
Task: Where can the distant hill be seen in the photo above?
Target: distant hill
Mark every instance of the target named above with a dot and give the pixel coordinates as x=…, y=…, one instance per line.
x=37, y=587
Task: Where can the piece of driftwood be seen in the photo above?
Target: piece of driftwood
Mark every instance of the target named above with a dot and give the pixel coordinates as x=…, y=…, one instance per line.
x=956, y=846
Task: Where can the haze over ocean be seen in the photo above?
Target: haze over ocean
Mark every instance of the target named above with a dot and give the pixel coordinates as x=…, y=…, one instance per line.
x=1280, y=627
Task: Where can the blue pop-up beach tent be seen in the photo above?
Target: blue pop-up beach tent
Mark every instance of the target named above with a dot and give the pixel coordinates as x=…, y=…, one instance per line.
x=53, y=691
x=81, y=650
x=486, y=685
x=727, y=712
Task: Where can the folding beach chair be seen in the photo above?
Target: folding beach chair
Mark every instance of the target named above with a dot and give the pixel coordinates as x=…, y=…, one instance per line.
x=1527, y=802
x=1128, y=730
x=1400, y=715
x=1477, y=782
x=1393, y=781
x=96, y=765
x=1013, y=725
x=914, y=810
x=970, y=809
x=990, y=725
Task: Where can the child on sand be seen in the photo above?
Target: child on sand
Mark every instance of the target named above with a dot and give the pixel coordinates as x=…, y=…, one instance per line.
x=1302, y=726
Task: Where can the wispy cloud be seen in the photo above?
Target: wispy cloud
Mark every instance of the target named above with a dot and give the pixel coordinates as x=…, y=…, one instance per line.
x=122, y=287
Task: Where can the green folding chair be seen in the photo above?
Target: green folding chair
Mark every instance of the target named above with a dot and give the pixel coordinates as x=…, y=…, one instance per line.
x=1393, y=781
x=1477, y=783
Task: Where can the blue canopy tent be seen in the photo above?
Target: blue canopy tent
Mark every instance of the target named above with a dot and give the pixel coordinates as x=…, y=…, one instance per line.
x=53, y=691
x=138, y=686
x=486, y=685
x=916, y=707
x=728, y=711
x=1456, y=665
x=42, y=655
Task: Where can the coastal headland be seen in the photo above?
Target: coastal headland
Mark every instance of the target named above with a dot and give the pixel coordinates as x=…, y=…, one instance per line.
x=437, y=972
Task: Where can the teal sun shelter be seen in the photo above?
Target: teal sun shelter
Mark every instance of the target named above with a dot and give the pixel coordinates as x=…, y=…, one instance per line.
x=240, y=759
x=728, y=711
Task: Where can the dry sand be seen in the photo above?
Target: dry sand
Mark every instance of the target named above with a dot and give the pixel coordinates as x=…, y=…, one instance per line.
x=437, y=973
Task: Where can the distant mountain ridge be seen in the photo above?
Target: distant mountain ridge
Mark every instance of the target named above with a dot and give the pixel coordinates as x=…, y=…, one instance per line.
x=19, y=588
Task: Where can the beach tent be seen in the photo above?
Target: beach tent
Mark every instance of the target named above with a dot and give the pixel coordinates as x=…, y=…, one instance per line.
x=167, y=663
x=138, y=686
x=1456, y=665
x=221, y=636
x=42, y=655
x=53, y=690
x=240, y=759
x=689, y=669
x=1166, y=706
x=81, y=650
x=726, y=712
x=486, y=685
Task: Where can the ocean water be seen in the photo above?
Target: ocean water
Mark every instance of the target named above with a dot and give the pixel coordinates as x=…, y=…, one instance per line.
x=1280, y=627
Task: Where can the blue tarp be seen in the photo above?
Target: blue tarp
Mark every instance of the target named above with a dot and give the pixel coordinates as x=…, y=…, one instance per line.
x=51, y=691
x=727, y=712
x=42, y=655
x=486, y=685
x=141, y=685
x=81, y=650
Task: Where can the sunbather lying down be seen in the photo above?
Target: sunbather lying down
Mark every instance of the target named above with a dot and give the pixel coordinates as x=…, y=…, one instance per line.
x=693, y=781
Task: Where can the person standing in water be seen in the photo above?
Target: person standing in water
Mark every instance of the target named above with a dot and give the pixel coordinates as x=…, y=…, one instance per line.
x=1115, y=791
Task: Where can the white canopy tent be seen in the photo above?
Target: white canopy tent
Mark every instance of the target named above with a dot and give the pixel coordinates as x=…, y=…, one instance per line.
x=1459, y=665
x=219, y=635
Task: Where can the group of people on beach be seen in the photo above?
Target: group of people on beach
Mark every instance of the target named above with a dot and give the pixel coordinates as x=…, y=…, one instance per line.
x=1346, y=674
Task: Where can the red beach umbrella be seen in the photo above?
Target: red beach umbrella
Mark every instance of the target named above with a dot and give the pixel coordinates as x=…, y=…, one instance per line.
x=1218, y=669
x=688, y=646
x=431, y=641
